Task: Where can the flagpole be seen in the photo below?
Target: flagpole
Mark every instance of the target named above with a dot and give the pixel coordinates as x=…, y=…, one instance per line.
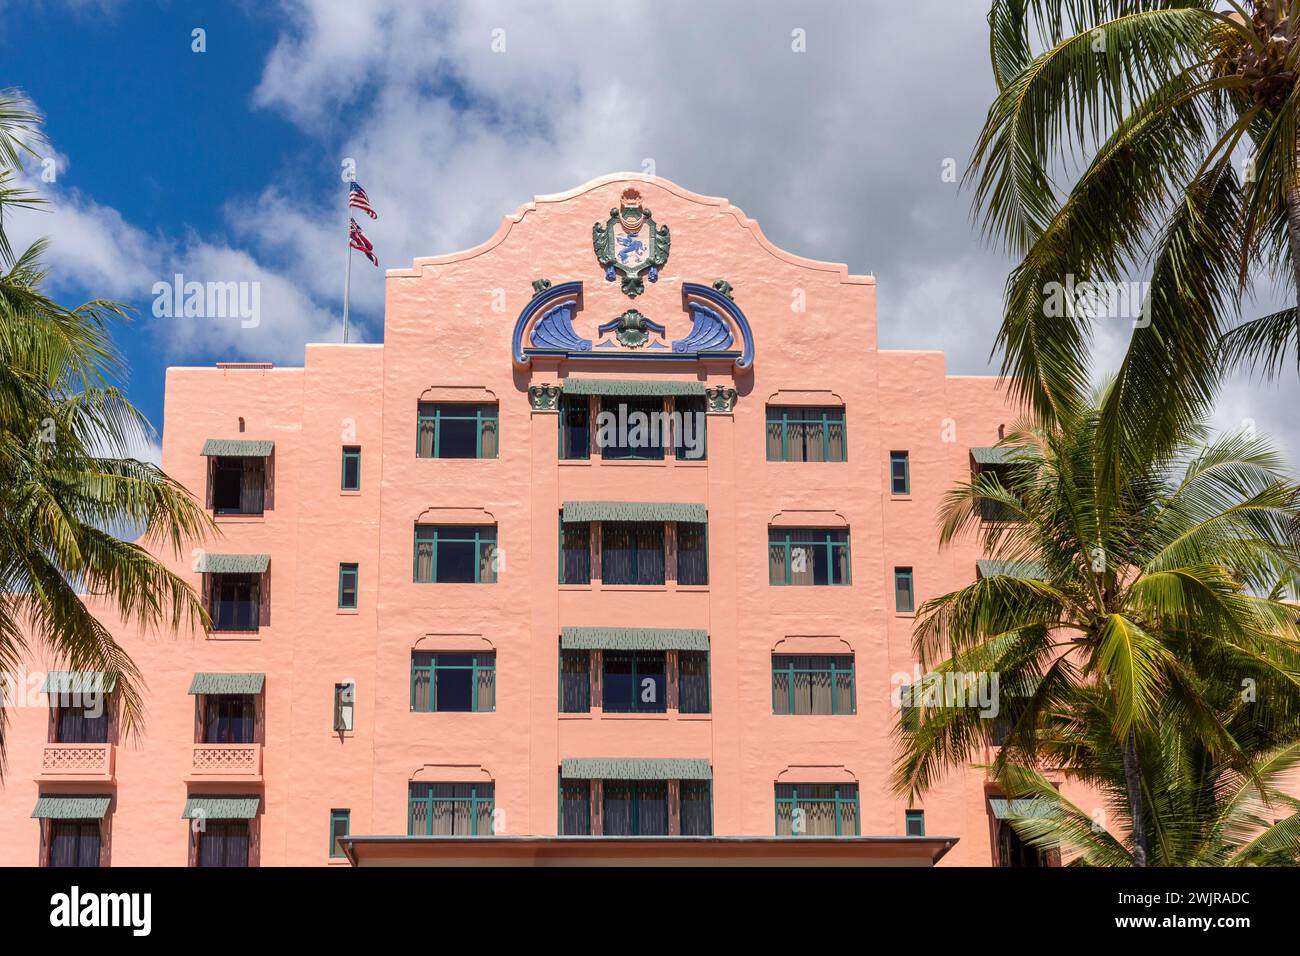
x=347, y=272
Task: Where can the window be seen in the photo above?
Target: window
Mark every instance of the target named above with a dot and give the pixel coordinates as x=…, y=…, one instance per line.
x=575, y=552
x=693, y=682
x=904, y=595
x=229, y=718
x=73, y=843
x=575, y=427
x=914, y=823
x=223, y=843
x=235, y=601
x=238, y=485
x=348, y=580
x=575, y=808
x=450, y=809
x=690, y=428
x=351, y=480
x=816, y=809
x=632, y=552
x=453, y=681
x=77, y=722
x=808, y=556
x=631, y=428
x=455, y=554
x=812, y=684
x=575, y=682
x=696, y=808
x=634, y=682
x=635, y=808
x=900, y=482
x=345, y=702
x=692, y=553
x=340, y=826
x=796, y=433
x=456, y=431
x=909, y=710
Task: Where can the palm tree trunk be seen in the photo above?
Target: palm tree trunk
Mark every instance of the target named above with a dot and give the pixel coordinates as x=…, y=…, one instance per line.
x=1133, y=781
x=1293, y=234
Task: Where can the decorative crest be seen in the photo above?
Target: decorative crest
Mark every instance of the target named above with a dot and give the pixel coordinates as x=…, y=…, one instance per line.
x=630, y=244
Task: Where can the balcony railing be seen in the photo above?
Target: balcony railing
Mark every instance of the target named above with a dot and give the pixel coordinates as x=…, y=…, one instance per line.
x=226, y=761
x=80, y=762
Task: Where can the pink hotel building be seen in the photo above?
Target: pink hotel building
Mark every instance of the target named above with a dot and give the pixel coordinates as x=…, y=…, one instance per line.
x=459, y=618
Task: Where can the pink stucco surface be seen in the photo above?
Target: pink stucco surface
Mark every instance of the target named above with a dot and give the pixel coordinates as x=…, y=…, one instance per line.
x=448, y=323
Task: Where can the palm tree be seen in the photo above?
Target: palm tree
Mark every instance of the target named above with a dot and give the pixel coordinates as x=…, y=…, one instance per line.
x=1150, y=588
x=66, y=431
x=1108, y=153
x=1202, y=809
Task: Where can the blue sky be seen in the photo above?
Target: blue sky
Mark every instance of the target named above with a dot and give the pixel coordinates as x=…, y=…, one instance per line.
x=225, y=165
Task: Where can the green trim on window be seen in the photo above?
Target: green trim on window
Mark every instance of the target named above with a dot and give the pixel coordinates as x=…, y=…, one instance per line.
x=483, y=536
x=426, y=663
x=579, y=511
x=792, y=419
x=615, y=387
x=842, y=795
x=237, y=448
x=914, y=823
x=904, y=591
x=624, y=768
x=476, y=794
x=831, y=539
x=634, y=638
x=835, y=667
x=336, y=817
x=435, y=413
x=349, y=574
x=350, y=453
x=900, y=477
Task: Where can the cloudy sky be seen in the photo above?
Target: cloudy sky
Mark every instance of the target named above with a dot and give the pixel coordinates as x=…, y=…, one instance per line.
x=830, y=123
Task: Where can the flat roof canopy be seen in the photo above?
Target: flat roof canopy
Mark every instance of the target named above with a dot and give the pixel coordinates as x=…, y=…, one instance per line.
x=645, y=851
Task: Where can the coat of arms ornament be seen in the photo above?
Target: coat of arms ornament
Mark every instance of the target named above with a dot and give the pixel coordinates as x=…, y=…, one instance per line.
x=630, y=244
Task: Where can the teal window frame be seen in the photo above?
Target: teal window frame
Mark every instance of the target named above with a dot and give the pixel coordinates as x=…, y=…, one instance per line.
x=336, y=817
x=636, y=704
x=904, y=580
x=786, y=539
x=900, y=472
x=914, y=819
x=838, y=798
x=350, y=453
x=656, y=450
x=909, y=712
x=823, y=415
x=479, y=663
x=353, y=570
x=480, y=535
x=436, y=414
x=474, y=798
x=833, y=669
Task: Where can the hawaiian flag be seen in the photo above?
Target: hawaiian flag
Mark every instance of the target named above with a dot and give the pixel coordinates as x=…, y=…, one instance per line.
x=357, y=199
x=360, y=243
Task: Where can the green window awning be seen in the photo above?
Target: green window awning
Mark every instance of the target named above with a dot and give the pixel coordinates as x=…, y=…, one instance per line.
x=60, y=807
x=578, y=511
x=220, y=808
x=1020, y=809
x=79, y=682
x=214, y=683
x=1016, y=569
x=237, y=448
x=634, y=639
x=210, y=563
x=630, y=387
x=624, y=768
x=997, y=456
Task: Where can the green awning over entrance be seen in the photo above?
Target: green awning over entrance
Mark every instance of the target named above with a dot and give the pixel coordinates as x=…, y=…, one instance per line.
x=227, y=683
x=220, y=808
x=630, y=387
x=578, y=511
x=210, y=563
x=79, y=682
x=60, y=807
x=634, y=639
x=622, y=768
x=997, y=456
x=1016, y=569
x=1019, y=809
x=237, y=448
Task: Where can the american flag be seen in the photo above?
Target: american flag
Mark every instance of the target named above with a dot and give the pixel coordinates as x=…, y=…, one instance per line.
x=360, y=243
x=357, y=199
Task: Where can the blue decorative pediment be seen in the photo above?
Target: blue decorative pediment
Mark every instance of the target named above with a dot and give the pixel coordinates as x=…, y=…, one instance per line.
x=553, y=332
x=709, y=333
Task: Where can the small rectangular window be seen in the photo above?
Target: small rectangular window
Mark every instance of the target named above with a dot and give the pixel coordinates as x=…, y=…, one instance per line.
x=340, y=826
x=345, y=696
x=797, y=433
x=453, y=681
x=351, y=468
x=900, y=482
x=904, y=593
x=915, y=823
x=349, y=581
x=447, y=430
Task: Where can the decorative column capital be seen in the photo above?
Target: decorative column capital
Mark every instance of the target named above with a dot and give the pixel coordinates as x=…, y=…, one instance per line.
x=721, y=399
x=545, y=397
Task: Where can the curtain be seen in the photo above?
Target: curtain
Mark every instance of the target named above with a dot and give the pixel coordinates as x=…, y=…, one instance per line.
x=487, y=562
x=812, y=440
x=844, y=687
x=696, y=813
x=774, y=441
x=690, y=420
x=487, y=687
x=420, y=682
x=424, y=437
x=424, y=561
x=224, y=843
x=575, y=427
x=575, y=808
x=252, y=484
x=650, y=552
x=576, y=568
x=804, y=559
x=74, y=843
x=484, y=822
x=652, y=807
x=819, y=813
x=76, y=726
x=692, y=556
x=776, y=563
x=617, y=553
x=229, y=719
x=616, y=813
x=488, y=438
x=835, y=439
x=820, y=693
x=693, y=682
x=780, y=692
x=575, y=682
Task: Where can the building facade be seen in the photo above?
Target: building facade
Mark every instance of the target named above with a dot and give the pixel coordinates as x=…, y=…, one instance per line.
x=619, y=534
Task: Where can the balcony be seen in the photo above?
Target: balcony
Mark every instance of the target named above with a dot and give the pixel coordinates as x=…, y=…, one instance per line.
x=225, y=763
x=77, y=763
